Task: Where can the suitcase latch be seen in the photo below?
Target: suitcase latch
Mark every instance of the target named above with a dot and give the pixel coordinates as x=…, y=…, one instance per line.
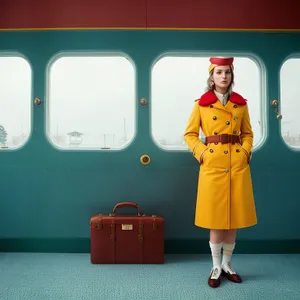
x=127, y=227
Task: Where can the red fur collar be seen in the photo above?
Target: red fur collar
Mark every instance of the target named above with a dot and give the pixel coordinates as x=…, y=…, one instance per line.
x=210, y=98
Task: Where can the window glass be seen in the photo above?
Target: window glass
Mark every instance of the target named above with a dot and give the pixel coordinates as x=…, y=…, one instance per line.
x=289, y=102
x=15, y=101
x=91, y=102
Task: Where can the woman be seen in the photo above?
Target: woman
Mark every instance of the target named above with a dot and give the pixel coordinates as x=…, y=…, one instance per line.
x=225, y=199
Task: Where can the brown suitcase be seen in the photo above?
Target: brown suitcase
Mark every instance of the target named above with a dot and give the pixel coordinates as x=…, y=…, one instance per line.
x=127, y=239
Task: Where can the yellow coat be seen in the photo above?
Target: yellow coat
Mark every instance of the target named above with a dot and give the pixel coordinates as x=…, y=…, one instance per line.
x=225, y=195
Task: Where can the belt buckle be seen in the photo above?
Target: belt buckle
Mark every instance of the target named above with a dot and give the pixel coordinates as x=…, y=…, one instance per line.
x=224, y=138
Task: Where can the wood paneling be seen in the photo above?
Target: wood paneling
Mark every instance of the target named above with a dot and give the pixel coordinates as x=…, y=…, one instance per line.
x=235, y=14
x=72, y=13
x=242, y=14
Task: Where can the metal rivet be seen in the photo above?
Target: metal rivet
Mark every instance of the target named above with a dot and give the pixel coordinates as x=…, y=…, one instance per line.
x=235, y=106
x=225, y=151
x=238, y=150
x=37, y=101
x=211, y=106
x=211, y=150
x=215, y=118
x=215, y=133
x=227, y=123
x=143, y=101
x=274, y=103
x=226, y=170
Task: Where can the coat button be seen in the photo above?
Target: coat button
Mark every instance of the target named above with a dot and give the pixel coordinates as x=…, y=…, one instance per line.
x=211, y=106
x=211, y=150
x=227, y=123
x=235, y=132
x=235, y=106
x=215, y=118
x=215, y=133
x=226, y=170
x=238, y=150
x=225, y=151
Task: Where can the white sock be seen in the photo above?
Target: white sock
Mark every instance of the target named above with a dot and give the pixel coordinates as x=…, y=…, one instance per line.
x=216, y=254
x=227, y=252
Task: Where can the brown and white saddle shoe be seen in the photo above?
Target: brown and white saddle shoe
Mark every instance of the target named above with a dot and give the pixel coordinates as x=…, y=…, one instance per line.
x=230, y=274
x=214, y=279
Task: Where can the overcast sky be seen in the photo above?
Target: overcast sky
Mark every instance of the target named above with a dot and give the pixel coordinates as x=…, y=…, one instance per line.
x=96, y=96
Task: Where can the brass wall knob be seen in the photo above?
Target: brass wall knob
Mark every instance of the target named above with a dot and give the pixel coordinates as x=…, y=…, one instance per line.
x=37, y=101
x=274, y=103
x=143, y=101
x=145, y=159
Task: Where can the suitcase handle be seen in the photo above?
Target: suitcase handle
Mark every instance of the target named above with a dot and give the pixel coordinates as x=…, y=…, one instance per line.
x=127, y=204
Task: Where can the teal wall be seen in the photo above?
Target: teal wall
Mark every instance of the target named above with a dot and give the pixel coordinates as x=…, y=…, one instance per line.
x=48, y=196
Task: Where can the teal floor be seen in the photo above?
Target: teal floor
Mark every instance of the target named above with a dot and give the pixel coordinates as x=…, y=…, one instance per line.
x=72, y=276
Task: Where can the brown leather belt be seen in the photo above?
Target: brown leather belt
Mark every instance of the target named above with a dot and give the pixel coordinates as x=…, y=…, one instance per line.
x=223, y=138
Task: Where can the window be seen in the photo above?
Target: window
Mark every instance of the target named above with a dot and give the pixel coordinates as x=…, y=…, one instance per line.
x=289, y=102
x=15, y=101
x=179, y=80
x=91, y=102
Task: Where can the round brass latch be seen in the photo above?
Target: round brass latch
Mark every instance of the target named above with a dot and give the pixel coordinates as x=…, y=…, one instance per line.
x=143, y=101
x=274, y=103
x=37, y=101
x=145, y=159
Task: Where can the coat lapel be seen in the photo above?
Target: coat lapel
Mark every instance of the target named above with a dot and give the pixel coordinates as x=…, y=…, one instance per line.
x=230, y=106
x=219, y=105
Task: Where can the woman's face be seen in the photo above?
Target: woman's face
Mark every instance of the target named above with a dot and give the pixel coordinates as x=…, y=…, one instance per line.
x=222, y=77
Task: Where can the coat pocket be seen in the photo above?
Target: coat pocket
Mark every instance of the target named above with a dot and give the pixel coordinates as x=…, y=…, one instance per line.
x=202, y=155
x=245, y=152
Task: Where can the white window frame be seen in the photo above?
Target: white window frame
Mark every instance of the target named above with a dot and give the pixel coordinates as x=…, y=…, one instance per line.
x=290, y=56
x=204, y=54
x=84, y=53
